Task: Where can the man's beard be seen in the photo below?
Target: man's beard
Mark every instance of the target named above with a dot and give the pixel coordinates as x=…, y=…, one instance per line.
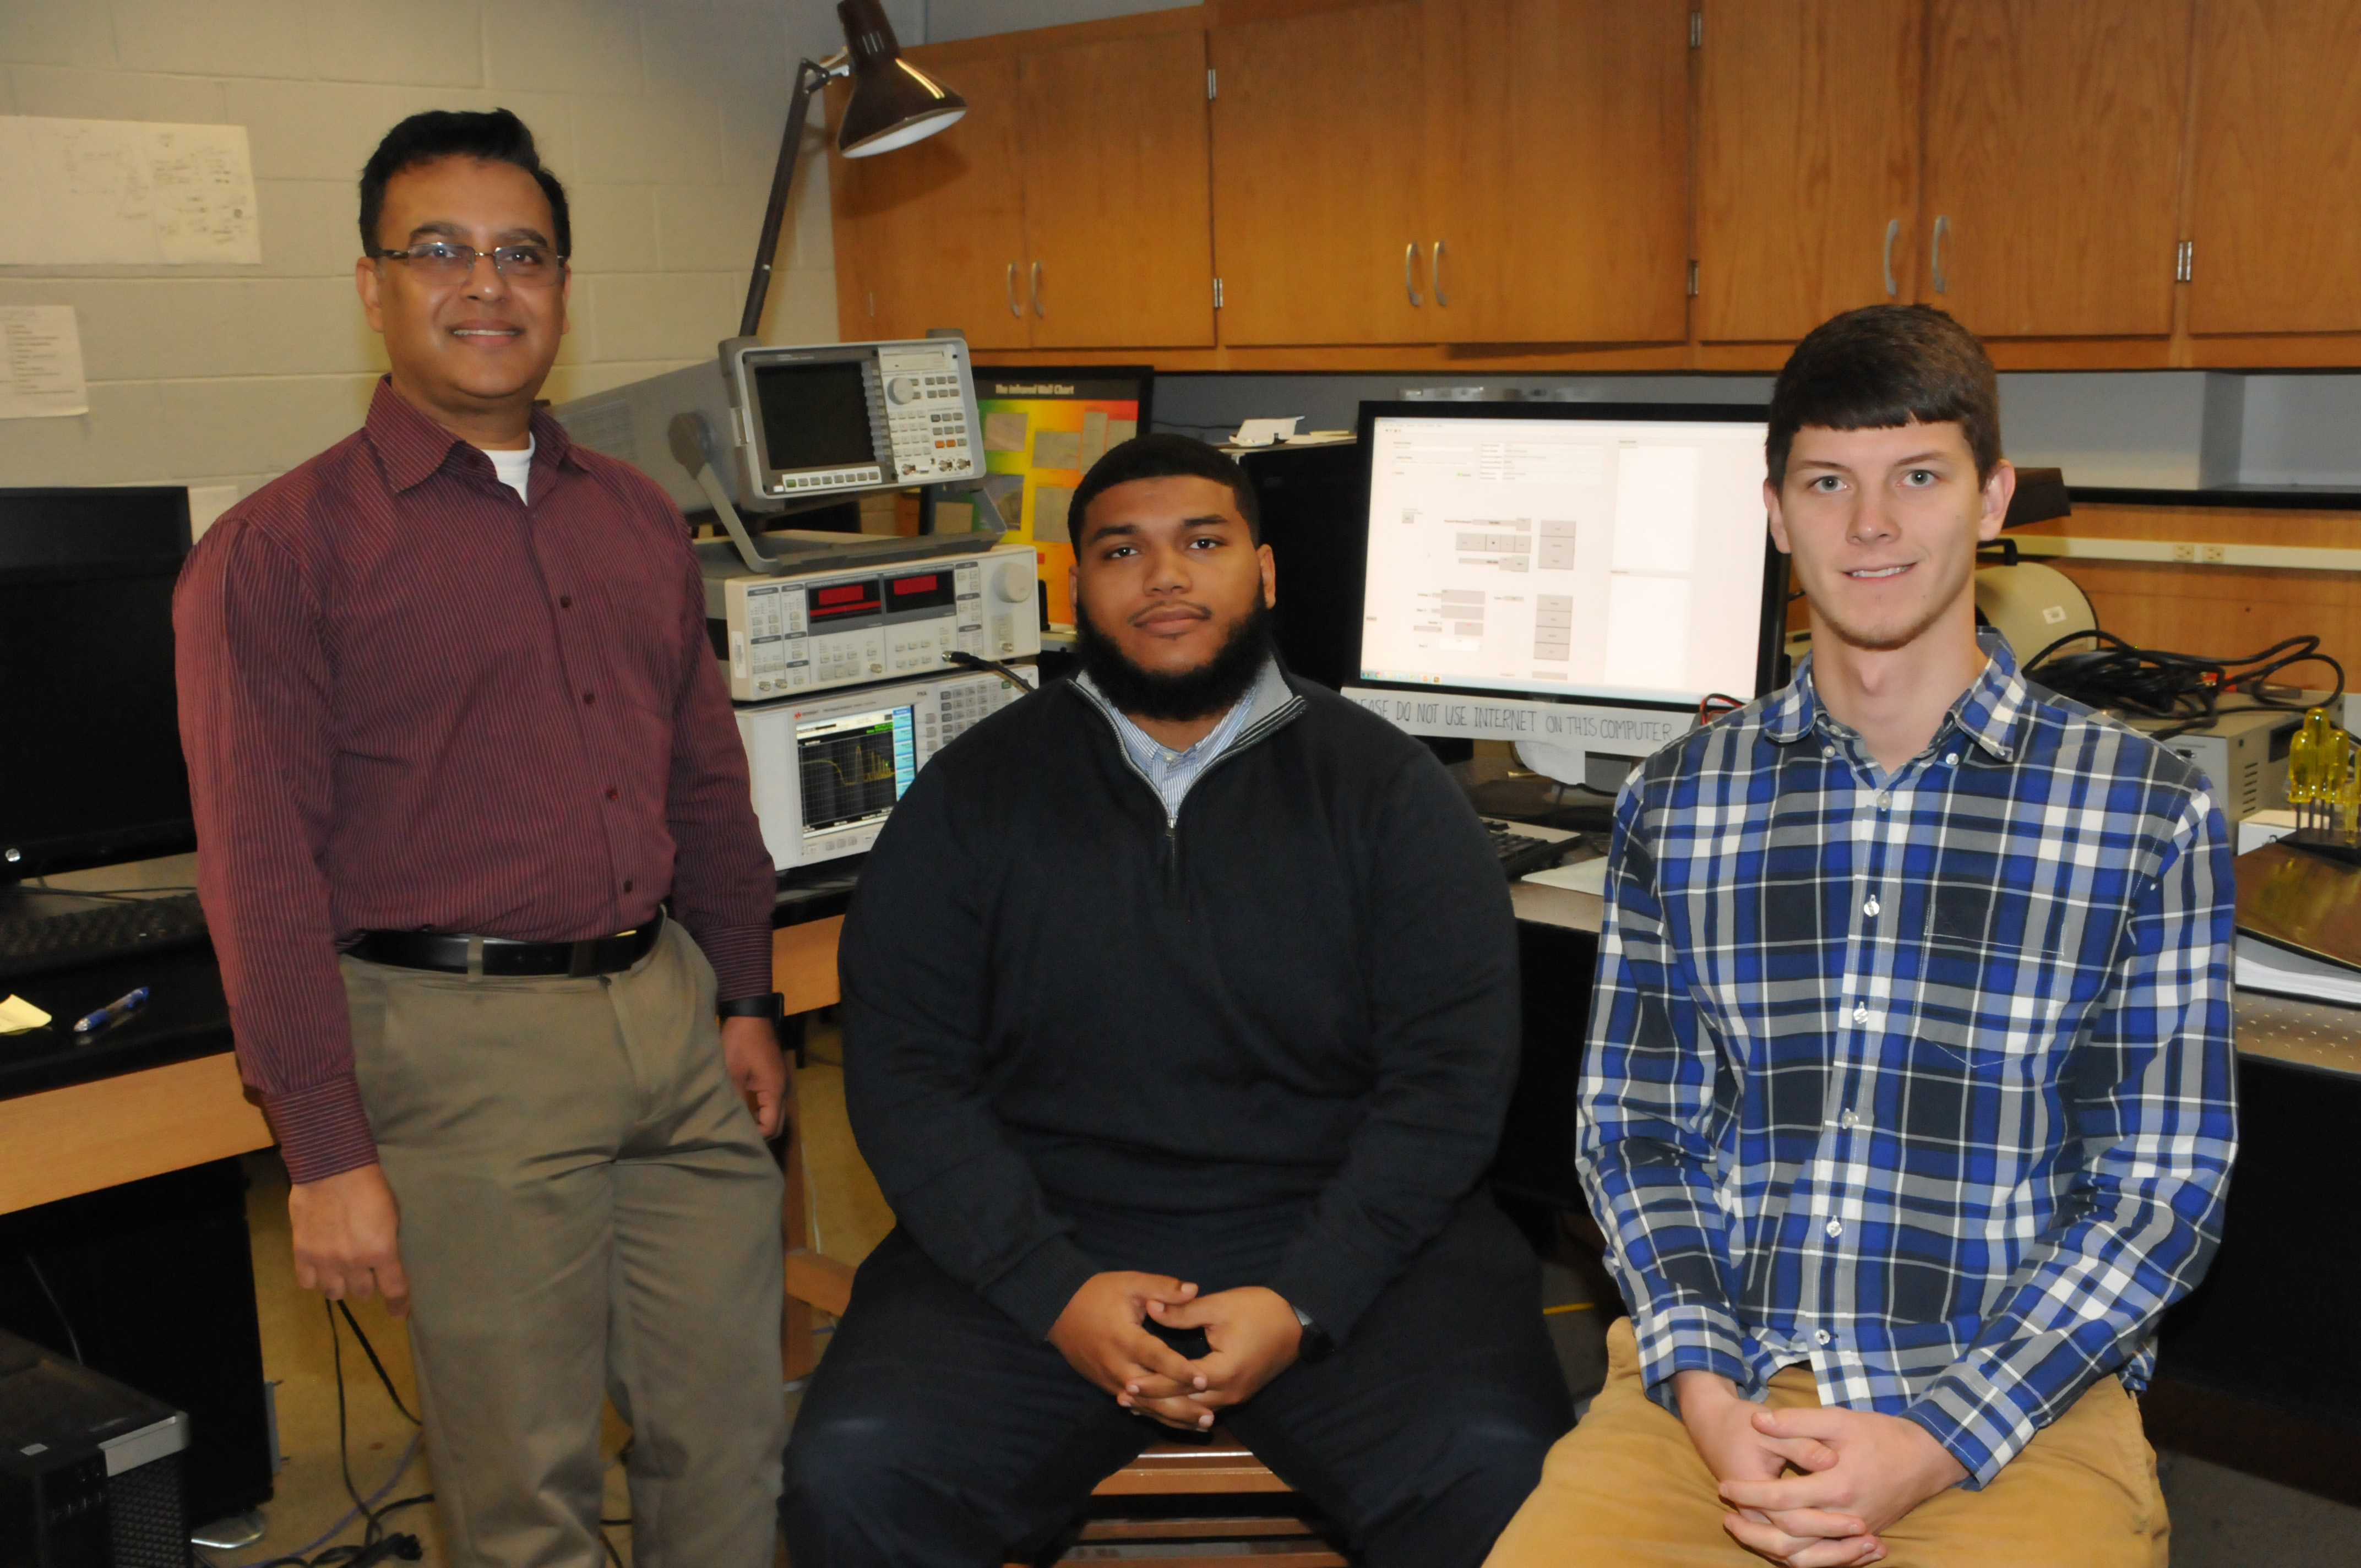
x=1213, y=686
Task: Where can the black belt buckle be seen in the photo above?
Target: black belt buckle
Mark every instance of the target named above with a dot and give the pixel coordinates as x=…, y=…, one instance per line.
x=582, y=962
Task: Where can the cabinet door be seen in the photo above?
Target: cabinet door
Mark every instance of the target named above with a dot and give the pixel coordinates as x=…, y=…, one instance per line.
x=1807, y=162
x=2053, y=162
x=1118, y=219
x=2277, y=210
x=1318, y=160
x=1560, y=170
x=938, y=227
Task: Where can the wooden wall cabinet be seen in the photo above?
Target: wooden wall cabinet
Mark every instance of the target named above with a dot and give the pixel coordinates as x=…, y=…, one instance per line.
x=1319, y=212
x=1069, y=209
x=2275, y=215
x=2054, y=135
x=1451, y=170
x=1558, y=170
x=1525, y=184
x=933, y=234
x=1807, y=162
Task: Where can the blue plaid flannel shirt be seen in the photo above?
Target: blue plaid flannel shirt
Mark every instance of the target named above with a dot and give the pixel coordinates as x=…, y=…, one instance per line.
x=1926, y=1080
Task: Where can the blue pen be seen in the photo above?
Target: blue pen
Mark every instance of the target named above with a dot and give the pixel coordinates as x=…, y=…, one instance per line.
x=113, y=1012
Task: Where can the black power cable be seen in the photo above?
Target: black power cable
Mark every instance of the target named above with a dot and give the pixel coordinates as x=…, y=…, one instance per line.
x=370, y=1351
x=2185, y=688
x=64, y=1322
x=376, y=1545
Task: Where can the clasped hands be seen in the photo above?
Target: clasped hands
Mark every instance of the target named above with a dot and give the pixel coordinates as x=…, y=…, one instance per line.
x=1251, y=1334
x=1861, y=1472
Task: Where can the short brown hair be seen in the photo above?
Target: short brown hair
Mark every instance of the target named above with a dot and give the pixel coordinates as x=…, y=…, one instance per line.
x=1882, y=366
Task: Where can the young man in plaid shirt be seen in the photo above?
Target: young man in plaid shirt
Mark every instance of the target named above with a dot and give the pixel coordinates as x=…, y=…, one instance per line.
x=1908, y=1106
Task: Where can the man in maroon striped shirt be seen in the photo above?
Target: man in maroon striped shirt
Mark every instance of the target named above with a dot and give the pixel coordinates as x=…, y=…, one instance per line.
x=454, y=735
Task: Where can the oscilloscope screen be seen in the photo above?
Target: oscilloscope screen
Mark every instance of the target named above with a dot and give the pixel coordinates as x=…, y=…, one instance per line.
x=854, y=769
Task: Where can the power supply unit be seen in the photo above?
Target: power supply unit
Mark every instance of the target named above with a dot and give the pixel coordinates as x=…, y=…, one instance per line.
x=2243, y=755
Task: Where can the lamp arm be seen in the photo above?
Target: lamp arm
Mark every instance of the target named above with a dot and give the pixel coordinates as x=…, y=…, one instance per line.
x=810, y=76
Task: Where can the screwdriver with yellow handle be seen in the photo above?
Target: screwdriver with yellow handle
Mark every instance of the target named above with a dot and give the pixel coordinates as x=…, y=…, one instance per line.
x=2308, y=777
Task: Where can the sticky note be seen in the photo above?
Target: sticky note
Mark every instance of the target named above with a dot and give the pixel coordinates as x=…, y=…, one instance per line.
x=19, y=1015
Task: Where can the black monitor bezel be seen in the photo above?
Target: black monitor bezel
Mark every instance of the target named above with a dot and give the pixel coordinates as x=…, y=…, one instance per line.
x=1772, y=637
x=144, y=841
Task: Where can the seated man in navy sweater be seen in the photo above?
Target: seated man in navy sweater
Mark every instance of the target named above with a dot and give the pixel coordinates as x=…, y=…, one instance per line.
x=1180, y=1016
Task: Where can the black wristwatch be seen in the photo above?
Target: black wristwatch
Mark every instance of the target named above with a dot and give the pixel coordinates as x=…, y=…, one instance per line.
x=1314, y=1344
x=773, y=1007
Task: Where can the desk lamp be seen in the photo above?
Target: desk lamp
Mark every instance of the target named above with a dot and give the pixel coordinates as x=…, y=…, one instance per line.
x=893, y=103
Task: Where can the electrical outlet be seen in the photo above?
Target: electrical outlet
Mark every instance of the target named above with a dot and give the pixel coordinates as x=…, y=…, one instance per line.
x=2182, y=551
x=2214, y=553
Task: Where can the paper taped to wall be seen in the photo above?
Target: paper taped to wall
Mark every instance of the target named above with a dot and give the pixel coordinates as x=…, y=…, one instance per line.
x=40, y=363
x=94, y=193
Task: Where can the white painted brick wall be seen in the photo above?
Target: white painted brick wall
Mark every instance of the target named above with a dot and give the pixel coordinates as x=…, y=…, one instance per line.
x=661, y=116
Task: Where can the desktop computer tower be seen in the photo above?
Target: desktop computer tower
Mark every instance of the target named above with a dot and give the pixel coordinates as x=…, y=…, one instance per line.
x=156, y=1279
x=90, y=1471
x=1314, y=520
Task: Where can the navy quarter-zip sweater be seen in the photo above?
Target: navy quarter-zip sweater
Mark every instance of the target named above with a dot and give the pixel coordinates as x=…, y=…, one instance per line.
x=1269, y=1043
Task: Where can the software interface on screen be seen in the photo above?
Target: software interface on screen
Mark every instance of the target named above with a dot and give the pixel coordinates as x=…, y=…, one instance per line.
x=1578, y=556
x=855, y=768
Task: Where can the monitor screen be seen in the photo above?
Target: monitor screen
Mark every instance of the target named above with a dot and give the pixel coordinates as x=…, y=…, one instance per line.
x=94, y=773
x=1594, y=553
x=814, y=416
x=854, y=768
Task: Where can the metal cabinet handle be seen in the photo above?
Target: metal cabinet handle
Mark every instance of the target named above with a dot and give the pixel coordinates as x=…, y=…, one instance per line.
x=1892, y=233
x=1436, y=275
x=1014, y=308
x=1942, y=227
x=1036, y=286
x=1410, y=274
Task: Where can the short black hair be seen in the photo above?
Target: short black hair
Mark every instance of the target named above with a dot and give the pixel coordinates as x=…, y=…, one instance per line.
x=490, y=136
x=1161, y=458
x=1882, y=367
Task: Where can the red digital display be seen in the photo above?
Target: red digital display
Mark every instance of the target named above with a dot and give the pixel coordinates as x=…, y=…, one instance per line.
x=842, y=601
x=916, y=592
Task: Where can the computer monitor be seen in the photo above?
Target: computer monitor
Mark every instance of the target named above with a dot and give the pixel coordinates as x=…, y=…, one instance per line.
x=94, y=773
x=1609, y=554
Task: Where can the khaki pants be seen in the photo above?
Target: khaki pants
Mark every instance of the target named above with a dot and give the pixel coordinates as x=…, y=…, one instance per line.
x=1626, y=1486
x=587, y=1212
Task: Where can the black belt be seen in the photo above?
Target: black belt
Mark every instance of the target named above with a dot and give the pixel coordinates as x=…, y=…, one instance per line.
x=448, y=953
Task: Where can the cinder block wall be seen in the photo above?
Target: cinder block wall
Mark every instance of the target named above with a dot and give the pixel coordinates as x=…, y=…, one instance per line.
x=663, y=116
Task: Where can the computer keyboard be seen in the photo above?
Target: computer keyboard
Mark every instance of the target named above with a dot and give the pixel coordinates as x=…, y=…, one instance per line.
x=32, y=944
x=1520, y=854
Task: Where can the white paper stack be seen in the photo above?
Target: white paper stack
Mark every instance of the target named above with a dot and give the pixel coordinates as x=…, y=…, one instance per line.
x=2262, y=967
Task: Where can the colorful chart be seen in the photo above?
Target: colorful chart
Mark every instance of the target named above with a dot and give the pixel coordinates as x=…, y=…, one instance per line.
x=1041, y=434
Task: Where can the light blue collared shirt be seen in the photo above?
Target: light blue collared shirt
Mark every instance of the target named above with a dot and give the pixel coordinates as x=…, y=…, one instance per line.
x=1170, y=773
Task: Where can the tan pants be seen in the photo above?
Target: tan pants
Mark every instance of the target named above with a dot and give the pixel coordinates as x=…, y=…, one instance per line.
x=587, y=1212
x=1626, y=1486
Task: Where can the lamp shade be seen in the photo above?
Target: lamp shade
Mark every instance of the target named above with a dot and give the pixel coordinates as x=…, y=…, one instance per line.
x=893, y=102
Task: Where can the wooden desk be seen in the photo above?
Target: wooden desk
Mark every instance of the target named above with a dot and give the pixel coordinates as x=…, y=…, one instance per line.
x=803, y=968
x=65, y=1142
x=61, y=1143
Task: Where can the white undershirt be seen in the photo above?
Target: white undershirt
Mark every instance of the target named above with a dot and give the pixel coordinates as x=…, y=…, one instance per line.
x=514, y=468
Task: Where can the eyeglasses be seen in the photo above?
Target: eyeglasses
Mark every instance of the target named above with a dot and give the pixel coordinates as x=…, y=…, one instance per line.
x=447, y=262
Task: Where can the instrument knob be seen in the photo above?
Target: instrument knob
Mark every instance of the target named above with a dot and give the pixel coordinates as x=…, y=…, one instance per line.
x=1013, y=583
x=902, y=389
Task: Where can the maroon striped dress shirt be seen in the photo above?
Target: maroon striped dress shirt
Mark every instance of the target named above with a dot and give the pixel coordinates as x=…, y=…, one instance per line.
x=410, y=700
